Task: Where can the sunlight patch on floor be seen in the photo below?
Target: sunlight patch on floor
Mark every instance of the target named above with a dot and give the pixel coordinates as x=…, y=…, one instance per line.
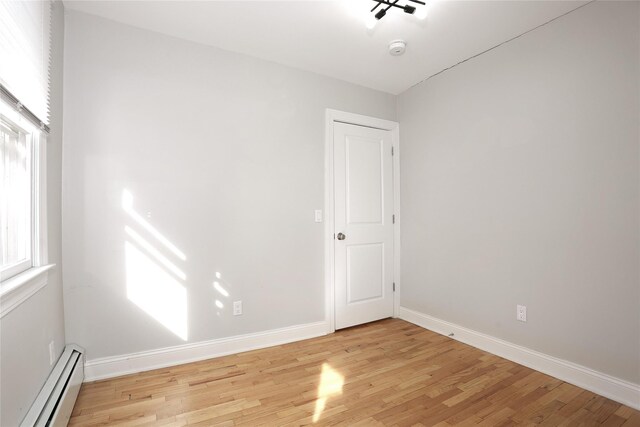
x=331, y=382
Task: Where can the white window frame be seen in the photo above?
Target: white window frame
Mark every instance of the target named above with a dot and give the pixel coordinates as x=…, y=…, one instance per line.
x=28, y=139
x=21, y=281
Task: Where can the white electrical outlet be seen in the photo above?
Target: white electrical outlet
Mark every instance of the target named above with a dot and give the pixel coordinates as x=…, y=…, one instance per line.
x=521, y=313
x=52, y=353
x=237, y=308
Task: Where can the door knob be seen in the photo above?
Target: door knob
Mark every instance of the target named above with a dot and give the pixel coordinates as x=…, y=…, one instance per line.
x=341, y=236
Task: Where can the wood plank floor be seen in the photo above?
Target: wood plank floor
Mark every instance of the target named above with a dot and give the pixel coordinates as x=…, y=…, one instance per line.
x=385, y=373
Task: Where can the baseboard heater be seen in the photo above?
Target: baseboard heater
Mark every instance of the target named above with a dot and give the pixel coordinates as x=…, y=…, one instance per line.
x=54, y=404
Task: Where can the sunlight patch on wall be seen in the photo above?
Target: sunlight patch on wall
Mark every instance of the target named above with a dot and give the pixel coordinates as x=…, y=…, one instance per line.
x=155, y=291
x=127, y=205
x=155, y=253
x=222, y=291
x=154, y=282
x=331, y=382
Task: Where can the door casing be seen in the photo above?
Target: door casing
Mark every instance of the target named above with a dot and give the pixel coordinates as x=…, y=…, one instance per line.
x=331, y=117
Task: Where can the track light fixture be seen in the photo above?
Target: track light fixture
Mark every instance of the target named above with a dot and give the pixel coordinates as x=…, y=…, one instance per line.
x=385, y=5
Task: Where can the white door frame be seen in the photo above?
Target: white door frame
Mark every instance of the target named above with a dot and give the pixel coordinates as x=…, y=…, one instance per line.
x=331, y=117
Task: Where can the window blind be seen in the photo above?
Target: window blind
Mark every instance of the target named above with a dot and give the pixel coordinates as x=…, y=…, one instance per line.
x=25, y=45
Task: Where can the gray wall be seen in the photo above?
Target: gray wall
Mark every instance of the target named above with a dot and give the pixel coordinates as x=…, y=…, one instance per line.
x=520, y=185
x=27, y=330
x=224, y=156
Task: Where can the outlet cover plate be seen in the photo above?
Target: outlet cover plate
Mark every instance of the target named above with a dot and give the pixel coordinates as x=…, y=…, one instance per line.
x=237, y=308
x=521, y=313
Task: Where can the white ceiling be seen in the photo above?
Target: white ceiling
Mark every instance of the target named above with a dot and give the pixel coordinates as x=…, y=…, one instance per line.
x=330, y=38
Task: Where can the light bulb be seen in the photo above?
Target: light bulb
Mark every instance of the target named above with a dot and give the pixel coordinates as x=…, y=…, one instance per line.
x=422, y=12
x=370, y=22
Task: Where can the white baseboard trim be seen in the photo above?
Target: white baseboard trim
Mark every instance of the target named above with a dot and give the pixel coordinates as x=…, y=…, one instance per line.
x=109, y=367
x=605, y=385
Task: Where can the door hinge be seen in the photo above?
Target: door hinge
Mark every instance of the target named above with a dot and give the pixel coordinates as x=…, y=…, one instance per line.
x=392, y=150
x=393, y=219
x=394, y=286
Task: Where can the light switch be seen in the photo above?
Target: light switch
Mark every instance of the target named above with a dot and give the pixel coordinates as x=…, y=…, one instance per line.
x=237, y=308
x=318, y=215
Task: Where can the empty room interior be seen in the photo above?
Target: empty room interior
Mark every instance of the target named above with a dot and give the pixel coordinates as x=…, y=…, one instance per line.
x=322, y=212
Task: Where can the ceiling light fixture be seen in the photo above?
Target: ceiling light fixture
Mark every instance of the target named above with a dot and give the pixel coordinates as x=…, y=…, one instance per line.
x=385, y=5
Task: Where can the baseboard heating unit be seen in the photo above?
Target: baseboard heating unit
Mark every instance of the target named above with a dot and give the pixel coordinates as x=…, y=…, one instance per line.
x=54, y=404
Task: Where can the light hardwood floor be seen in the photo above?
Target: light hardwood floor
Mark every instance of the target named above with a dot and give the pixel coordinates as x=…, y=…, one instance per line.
x=384, y=373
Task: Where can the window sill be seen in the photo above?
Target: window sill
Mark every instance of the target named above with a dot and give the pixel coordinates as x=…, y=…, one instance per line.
x=18, y=289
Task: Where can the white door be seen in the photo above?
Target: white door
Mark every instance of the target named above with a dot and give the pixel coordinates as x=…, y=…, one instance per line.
x=363, y=191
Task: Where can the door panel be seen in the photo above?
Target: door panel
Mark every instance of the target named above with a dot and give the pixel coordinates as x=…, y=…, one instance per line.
x=365, y=272
x=363, y=191
x=364, y=175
